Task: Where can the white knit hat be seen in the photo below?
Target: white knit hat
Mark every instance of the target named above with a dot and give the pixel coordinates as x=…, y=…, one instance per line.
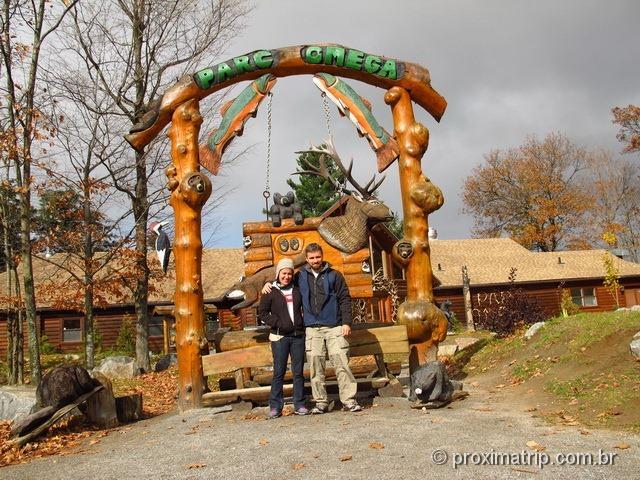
x=283, y=263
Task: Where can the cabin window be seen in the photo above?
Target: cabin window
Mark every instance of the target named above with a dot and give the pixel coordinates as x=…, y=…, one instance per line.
x=155, y=327
x=585, y=297
x=71, y=330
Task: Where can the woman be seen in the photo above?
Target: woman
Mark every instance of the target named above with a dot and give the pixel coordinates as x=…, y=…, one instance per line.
x=281, y=309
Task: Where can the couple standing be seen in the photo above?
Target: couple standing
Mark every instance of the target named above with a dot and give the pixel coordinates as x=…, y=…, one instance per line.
x=310, y=311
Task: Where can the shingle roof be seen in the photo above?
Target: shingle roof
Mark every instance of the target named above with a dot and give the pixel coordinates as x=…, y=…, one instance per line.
x=221, y=268
x=489, y=261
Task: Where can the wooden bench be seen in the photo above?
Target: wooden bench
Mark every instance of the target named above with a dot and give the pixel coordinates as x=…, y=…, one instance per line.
x=254, y=351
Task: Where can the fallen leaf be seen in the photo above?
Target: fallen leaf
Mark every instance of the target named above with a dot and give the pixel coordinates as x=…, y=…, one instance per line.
x=622, y=446
x=93, y=442
x=263, y=441
x=345, y=458
x=585, y=432
x=483, y=409
x=475, y=384
x=298, y=466
x=196, y=465
x=512, y=362
x=502, y=385
x=536, y=446
x=376, y=445
x=530, y=409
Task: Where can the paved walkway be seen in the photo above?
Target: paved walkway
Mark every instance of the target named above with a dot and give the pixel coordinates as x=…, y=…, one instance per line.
x=343, y=445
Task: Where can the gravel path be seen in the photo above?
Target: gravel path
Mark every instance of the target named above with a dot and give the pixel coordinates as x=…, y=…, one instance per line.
x=199, y=444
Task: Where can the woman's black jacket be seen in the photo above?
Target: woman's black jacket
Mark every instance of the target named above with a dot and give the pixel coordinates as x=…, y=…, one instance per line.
x=272, y=311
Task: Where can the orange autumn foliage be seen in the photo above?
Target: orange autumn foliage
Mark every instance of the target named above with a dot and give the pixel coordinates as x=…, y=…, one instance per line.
x=629, y=120
x=533, y=193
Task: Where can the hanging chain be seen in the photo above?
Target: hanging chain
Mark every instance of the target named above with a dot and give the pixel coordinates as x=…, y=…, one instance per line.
x=266, y=194
x=327, y=112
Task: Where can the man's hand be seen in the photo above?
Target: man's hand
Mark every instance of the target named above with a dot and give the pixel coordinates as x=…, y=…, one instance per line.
x=346, y=330
x=266, y=289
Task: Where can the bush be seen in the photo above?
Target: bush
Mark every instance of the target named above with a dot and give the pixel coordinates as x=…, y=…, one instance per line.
x=126, y=341
x=567, y=305
x=516, y=310
x=47, y=347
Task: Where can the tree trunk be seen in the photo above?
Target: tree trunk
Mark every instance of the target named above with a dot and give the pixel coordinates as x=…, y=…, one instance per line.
x=88, y=271
x=190, y=190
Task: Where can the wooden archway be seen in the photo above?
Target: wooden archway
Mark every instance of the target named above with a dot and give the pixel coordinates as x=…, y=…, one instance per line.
x=405, y=82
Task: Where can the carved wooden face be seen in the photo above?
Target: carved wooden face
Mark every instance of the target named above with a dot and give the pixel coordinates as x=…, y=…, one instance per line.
x=405, y=249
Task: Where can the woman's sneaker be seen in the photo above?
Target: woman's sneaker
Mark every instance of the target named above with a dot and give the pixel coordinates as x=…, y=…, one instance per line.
x=301, y=411
x=352, y=407
x=274, y=413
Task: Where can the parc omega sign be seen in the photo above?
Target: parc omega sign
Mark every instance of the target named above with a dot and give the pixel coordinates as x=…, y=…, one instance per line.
x=331, y=55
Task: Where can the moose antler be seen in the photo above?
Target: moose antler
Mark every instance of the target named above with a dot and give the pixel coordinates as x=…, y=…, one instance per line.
x=322, y=171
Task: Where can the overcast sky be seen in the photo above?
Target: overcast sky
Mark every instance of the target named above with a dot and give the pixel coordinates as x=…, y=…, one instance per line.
x=508, y=69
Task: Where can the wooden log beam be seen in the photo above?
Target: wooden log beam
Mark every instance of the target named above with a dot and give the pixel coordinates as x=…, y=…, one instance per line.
x=262, y=393
x=288, y=226
x=190, y=189
x=426, y=324
x=295, y=60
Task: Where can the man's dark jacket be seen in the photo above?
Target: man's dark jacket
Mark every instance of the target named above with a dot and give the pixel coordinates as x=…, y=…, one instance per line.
x=325, y=299
x=273, y=311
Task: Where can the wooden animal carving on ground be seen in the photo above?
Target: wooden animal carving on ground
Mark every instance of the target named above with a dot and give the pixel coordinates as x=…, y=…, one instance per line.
x=348, y=232
x=234, y=115
x=358, y=110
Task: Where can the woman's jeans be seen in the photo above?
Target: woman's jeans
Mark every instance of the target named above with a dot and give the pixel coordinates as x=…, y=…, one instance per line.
x=281, y=350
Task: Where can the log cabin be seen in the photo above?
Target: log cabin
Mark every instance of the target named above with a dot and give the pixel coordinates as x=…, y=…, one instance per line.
x=488, y=262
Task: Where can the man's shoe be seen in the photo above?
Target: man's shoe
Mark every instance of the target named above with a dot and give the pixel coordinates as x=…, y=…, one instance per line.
x=319, y=409
x=301, y=411
x=274, y=413
x=352, y=407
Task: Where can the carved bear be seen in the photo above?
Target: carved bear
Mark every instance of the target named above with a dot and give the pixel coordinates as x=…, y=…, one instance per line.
x=430, y=385
x=285, y=206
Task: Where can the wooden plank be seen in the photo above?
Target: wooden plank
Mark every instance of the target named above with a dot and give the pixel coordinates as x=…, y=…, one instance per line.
x=357, y=257
x=255, y=393
x=361, y=291
x=358, y=279
x=258, y=254
x=252, y=267
x=352, y=268
x=222, y=362
x=376, y=348
x=288, y=225
x=358, y=370
x=259, y=239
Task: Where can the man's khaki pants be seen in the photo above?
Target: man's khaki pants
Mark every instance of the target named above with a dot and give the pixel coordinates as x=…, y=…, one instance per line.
x=319, y=340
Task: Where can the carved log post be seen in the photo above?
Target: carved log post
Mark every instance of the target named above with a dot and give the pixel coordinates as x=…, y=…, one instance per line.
x=426, y=324
x=190, y=190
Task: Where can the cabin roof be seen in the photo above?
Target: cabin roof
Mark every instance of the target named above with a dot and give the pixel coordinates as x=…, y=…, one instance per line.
x=489, y=261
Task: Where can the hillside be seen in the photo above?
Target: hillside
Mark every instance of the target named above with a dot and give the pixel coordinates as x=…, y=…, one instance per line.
x=575, y=371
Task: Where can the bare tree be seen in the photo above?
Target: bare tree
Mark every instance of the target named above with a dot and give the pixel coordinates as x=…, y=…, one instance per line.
x=614, y=182
x=132, y=50
x=24, y=27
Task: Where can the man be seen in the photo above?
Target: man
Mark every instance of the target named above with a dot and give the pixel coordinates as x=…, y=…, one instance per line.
x=326, y=306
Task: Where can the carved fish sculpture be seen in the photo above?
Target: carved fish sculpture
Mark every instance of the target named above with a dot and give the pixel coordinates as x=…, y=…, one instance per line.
x=235, y=113
x=358, y=110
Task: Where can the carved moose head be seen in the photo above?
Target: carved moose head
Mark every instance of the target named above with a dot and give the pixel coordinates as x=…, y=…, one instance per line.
x=348, y=232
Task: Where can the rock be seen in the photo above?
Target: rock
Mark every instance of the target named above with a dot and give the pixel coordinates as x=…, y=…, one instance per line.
x=447, y=350
x=166, y=361
x=17, y=402
x=636, y=336
x=119, y=366
x=392, y=389
x=635, y=308
x=71, y=357
x=63, y=385
x=466, y=342
x=129, y=407
x=634, y=346
x=533, y=329
x=101, y=407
